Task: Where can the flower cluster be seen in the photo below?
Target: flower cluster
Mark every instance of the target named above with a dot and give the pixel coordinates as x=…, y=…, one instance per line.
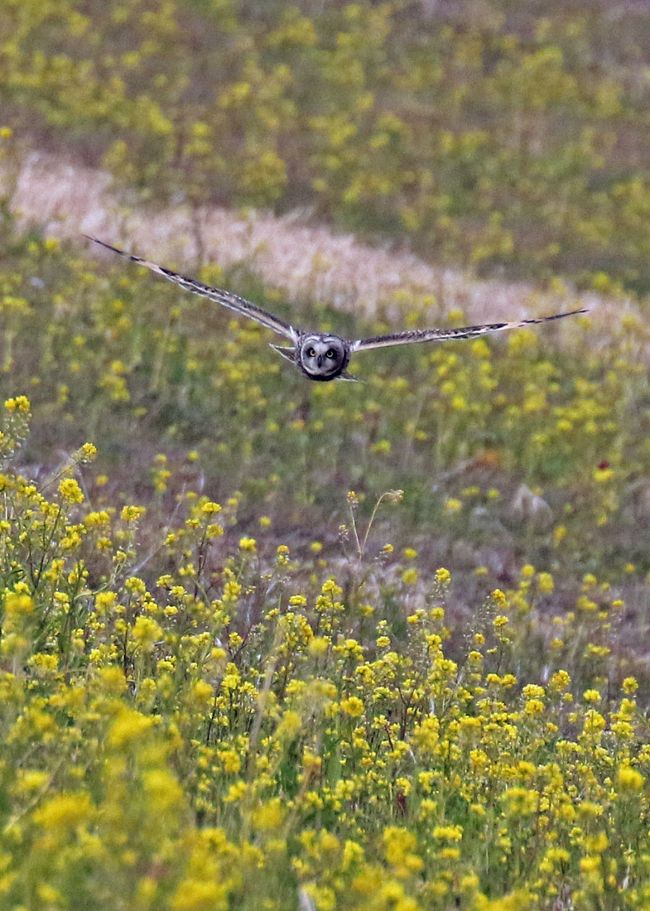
x=214, y=723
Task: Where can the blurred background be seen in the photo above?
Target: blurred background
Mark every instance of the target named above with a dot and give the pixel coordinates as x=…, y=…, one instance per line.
x=359, y=166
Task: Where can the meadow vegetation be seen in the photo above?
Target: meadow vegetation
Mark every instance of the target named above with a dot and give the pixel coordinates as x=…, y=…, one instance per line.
x=226, y=683
x=268, y=645
x=493, y=133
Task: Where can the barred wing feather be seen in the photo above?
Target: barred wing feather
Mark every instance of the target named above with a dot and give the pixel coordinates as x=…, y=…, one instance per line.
x=411, y=336
x=225, y=298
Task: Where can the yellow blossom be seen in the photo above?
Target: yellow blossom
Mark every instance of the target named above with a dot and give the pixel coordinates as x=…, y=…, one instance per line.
x=70, y=491
x=19, y=403
x=352, y=706
x=629, y=780
x=132, y=513
x=146, y=632
x=129, y=727
x=63, y=813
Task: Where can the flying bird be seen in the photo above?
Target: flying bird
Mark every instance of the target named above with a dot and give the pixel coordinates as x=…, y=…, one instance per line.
x=322, y=356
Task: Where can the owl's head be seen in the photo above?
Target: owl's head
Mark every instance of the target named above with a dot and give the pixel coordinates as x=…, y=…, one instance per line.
x=323, y=357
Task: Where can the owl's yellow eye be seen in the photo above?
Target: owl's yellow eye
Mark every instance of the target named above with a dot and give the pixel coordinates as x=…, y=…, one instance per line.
x=311, y=352
x=330, y=354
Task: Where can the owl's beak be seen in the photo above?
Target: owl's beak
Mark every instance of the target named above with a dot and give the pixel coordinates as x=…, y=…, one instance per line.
x=319, y=360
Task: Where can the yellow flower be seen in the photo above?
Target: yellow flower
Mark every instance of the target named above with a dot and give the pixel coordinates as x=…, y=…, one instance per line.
x=203, y=692
x=145, y=633
x=448, y=833
x=132, y=513
x=112, y=680
x=410, y=576
x=87, y=452
x=289, y=725
x=560, y=681
x=559, y=534
x=520, y=801
x=269, y=816
x=49, y=895
x=426, y=735
x=210, y=508
x=629, y=780
x=399, y=850
x=352, y=706
x=17, y=605
x=129, y=727
x=63, y=813
x=534, y=707
x=194, y=894
x=545, y=583
x=70, y=491
x=162, y=790
x=533, y=691
x=230, y=761
x=318, y=645
x=20, y=403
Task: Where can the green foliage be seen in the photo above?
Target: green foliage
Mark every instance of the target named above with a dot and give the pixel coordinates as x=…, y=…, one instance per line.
x=145, y=371
x=495, y=135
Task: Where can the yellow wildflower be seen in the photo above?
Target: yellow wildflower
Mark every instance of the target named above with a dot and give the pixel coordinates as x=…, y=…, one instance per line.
x=70, y=491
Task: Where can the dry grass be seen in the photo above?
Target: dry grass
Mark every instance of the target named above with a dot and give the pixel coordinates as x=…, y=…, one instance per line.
x=304, y=260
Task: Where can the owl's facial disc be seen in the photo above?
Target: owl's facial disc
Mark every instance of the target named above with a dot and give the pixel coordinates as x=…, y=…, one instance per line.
x=323, y=357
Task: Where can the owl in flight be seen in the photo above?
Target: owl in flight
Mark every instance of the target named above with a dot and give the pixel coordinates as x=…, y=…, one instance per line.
x=322, y=356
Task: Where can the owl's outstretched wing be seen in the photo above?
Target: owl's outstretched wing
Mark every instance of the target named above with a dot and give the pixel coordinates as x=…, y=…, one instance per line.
x=440, y=335
x=226, y=298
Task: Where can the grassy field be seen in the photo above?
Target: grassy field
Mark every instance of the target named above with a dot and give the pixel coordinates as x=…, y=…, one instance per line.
x=502, y=135
x=268, y=645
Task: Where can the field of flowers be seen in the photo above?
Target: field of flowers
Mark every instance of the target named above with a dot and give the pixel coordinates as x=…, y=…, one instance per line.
x=268, y=645
x=500, y=134
x=226, y=683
